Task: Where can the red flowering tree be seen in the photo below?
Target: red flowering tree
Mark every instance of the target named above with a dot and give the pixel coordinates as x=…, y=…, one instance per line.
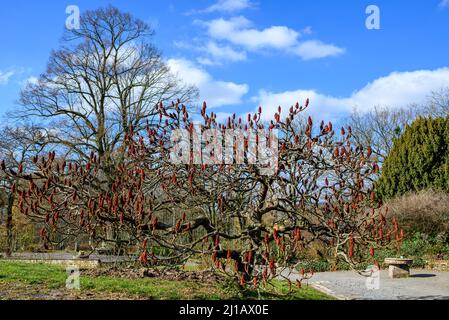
x=253, y=225
x=321, y=190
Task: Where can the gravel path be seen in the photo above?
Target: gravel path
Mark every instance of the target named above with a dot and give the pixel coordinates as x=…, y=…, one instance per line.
x=422, y=285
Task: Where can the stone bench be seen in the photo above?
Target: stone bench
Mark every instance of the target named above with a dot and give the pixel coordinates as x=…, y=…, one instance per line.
x=398, y=267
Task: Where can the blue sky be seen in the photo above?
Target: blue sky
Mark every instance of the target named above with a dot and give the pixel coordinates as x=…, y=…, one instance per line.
x=245, y=53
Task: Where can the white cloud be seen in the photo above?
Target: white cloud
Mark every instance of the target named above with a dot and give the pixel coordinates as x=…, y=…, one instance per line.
x=227, y=6
x=399, y=89
x=30, y=80
x=315, y=49
x=444, y=3
x=5, y=76
x=307, y=30
x=213, y=53
x=322, y=106
x=239, y=31
x=225, y=53
x=217, y=93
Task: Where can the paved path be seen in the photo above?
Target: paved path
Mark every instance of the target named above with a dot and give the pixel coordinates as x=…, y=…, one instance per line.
x=422, y=285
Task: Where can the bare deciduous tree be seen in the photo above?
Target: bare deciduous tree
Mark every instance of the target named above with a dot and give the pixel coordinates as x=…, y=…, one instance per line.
x=106, y=78
x=380, y=127
x=438, y=106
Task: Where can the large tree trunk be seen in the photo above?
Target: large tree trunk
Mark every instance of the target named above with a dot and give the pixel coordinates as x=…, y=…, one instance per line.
x=9, y=226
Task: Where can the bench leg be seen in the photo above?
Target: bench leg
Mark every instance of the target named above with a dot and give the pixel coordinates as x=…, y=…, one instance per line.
x=395, y=271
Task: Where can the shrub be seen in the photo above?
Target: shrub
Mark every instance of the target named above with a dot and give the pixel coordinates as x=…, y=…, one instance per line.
x=421, y=245
x=426, y=212
x=419, y=159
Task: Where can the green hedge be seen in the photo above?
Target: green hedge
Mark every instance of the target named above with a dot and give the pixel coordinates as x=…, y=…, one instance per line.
x=419, y=159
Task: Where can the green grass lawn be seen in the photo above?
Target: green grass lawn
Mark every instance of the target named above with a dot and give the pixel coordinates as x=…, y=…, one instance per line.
x=54, y=277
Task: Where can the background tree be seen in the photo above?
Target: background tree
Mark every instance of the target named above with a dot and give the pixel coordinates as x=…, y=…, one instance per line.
x=419, y=159
x=106, y=78
x=17, y=146
x=380, y=127
x=438, y=105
